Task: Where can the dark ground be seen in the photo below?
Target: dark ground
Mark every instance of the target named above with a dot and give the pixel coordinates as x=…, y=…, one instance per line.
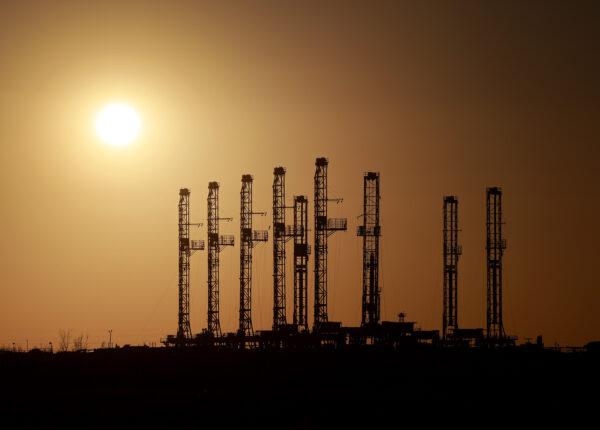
x=298, y=389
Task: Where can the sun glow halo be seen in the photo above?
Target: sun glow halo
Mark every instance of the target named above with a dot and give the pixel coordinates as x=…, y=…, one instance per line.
x=118, y=124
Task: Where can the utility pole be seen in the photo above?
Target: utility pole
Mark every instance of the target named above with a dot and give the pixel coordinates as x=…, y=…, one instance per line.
x=324, y=227
x=215, y=244
x=451, y=252
x=248, y=238
x=370, y=232
x=495, y=246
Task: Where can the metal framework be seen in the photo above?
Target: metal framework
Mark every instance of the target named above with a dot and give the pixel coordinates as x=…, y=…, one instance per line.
x=248, y=238
x=370, y=232
x=301, y=253
x=324, y=227
x=451, y=252
x=495, y=246
x=215, y=244
x=281, y=235
x=186, y=247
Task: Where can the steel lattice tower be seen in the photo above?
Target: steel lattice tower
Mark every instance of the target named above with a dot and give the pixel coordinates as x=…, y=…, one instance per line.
x=370, y=232
x=215, y=243
x=301, y=252
x=280, y=236
x=248, y=238
x=186, y=247
x=451, y=252
x=495, y=246
x=324, y=227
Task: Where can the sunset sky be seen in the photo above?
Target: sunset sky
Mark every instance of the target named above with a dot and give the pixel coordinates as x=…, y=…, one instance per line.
x=441, y=97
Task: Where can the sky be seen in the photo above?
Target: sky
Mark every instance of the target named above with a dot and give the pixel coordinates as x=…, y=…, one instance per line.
x=440, y=97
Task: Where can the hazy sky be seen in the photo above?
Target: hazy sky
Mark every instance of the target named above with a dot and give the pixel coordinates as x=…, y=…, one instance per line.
x=441, y=97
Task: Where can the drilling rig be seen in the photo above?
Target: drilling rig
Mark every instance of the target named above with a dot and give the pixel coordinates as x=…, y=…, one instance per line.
x=281, y=235
x=215, y=245
x=186, y=247
x=324, y=227
x=301, y=253
x=451, y=252
x=248, y=238
x=370, y=232
x=495, y=246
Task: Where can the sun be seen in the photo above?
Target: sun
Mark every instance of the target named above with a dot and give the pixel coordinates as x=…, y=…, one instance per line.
x=118, y=124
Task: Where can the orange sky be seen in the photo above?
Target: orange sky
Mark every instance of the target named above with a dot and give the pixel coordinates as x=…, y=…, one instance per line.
x=439, y=97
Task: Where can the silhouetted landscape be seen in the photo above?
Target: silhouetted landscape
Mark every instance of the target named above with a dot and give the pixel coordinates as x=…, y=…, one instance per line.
x=334, y=214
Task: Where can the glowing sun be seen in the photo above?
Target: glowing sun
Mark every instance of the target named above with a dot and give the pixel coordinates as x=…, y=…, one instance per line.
x=118, y=124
